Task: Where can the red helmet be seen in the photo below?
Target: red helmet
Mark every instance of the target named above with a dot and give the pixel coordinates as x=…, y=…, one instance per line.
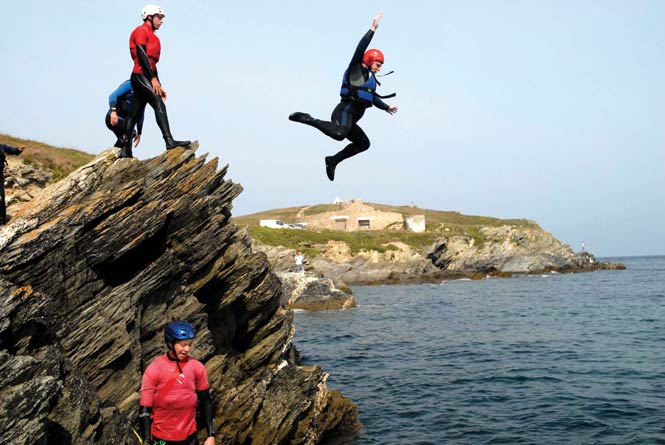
x=371, y=56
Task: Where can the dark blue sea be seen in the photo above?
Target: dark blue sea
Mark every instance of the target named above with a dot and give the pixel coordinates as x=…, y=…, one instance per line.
x=545, y=359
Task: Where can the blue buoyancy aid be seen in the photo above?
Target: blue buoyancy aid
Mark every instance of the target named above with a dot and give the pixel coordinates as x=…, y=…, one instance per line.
x=362, y=93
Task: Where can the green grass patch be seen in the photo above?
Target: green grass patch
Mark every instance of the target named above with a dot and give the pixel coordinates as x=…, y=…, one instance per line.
x=439, y=220
x=60, y=161
x=321, y=208
x=478, y=238
x=288, y=215
x=377, y=240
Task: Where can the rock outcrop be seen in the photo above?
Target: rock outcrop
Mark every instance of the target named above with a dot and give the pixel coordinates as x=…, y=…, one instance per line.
x=313, y=294
x=508, y=250
x=22, y=183
x=497, y=251
x=95, y=266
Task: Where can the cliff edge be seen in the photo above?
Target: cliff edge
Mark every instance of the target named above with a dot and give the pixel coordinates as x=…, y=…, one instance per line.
x=94, y=267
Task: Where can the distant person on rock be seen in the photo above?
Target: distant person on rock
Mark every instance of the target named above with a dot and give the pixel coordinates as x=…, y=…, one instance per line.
x=145, y=49
x=299, y=259
x=120, y=102
x=358, y=93
x=172, y=387
x=12, y=151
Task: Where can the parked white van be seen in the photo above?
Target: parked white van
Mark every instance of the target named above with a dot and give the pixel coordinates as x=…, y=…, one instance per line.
x=272, y=223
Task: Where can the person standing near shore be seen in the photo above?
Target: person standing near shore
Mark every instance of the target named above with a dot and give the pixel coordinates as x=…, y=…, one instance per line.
x=358, y=93
x=145, y=49
x=4, y=148
x=299, y=259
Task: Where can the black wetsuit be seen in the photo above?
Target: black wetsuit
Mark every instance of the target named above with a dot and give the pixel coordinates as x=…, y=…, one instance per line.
x=344, y=118
x=12, y=151
x=121, y=100
x=145, y=48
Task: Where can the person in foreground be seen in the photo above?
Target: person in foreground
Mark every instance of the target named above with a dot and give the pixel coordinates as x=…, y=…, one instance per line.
x=358, y=93
x=4, y=148
x=120, y=102
x=172, y=387
x=145, y=49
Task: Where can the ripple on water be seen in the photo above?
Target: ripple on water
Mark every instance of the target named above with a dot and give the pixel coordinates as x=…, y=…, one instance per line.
x=574, y=358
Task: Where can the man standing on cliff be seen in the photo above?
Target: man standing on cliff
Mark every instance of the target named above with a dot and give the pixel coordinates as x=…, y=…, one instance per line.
x=4, y=148
x=145, y=49
x=358, y=93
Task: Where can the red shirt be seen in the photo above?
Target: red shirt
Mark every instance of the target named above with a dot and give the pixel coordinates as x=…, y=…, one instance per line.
x=174, y=411
x=145, y=35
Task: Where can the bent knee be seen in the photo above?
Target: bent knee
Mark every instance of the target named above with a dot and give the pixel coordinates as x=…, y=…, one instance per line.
x=339, y=135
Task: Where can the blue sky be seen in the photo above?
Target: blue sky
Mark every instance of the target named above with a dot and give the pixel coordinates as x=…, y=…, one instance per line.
x=551, y=110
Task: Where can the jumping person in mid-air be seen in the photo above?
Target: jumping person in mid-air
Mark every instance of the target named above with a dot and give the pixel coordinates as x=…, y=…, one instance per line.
x=145, y=49
x=358, y=93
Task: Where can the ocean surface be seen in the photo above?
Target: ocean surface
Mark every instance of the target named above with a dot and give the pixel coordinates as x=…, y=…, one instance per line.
x=545, y=359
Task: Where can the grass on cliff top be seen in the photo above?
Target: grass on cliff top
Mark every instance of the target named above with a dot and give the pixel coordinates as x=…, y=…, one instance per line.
x=311, y=242
x=435, y=220
x=60, y=161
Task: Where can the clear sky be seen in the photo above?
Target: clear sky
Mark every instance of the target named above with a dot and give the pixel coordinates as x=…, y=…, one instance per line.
x=551, y=110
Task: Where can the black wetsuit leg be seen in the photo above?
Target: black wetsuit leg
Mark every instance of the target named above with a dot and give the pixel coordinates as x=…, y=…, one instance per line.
x=118, y=129
x=345, y=119
x=144, y=93
x=359, y=143
x=138, y=104
x=341, y=121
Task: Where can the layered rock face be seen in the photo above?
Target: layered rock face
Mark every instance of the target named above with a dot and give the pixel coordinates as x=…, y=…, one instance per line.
x=508, y=250
x=94, y=267
x=22, y=183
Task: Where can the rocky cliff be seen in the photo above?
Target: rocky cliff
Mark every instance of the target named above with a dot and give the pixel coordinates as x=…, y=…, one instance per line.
x=95, y=266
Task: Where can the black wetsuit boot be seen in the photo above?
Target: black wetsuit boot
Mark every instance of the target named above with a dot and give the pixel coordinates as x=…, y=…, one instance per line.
x=125, y=148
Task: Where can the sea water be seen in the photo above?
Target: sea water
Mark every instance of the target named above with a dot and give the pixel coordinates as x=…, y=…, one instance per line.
x=543, y=359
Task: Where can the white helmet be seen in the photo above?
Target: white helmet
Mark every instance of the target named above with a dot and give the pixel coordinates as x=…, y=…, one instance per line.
x=149, y=10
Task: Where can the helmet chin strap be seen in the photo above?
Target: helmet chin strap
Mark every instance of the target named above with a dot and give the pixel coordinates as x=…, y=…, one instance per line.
x=171, y=352
x=151, y=18
x=174, y=356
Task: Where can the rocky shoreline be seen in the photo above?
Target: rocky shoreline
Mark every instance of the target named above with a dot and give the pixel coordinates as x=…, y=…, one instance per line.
x=505, y=251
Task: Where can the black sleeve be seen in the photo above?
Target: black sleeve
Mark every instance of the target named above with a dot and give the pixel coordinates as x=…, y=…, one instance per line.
x=361, y=48
x=378, y=103
x=9, y=149
x=205, y=402
x=145, y=423
x=144, y=61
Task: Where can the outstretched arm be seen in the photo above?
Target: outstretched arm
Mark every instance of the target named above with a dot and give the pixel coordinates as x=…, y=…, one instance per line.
x=12, y=150
x=364, y=42
x=375, y=23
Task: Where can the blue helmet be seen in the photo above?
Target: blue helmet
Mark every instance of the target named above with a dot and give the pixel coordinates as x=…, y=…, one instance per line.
x=178, y=330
